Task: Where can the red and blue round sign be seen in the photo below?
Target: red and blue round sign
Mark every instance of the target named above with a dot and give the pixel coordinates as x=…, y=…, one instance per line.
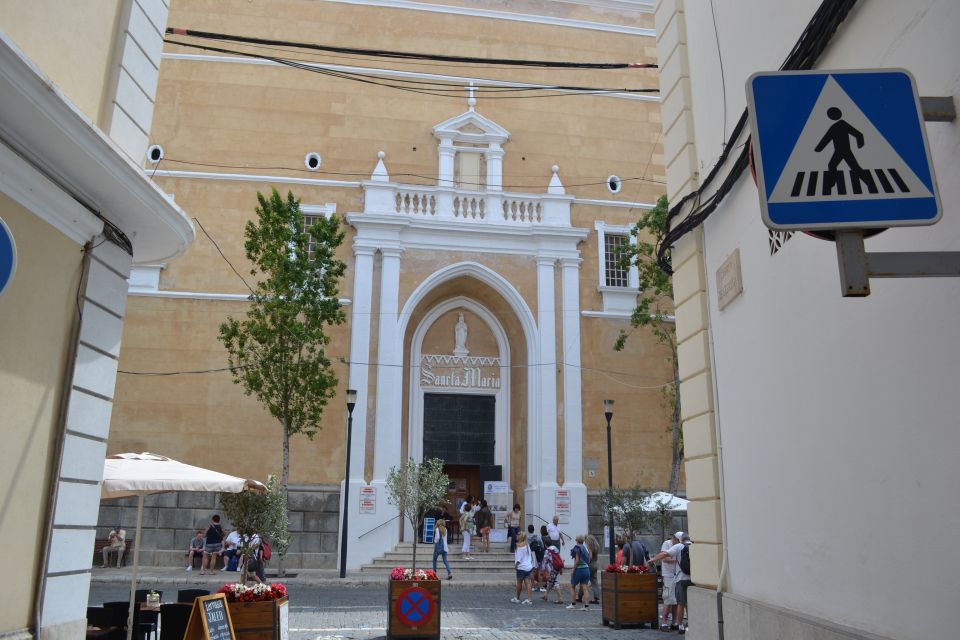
x=414, y=606
x=8, y=256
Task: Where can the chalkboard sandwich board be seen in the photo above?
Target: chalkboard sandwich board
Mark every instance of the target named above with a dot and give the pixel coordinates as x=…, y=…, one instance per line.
x=210, y=619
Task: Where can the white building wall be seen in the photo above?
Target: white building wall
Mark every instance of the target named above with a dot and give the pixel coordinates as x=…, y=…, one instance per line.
x=838, y=416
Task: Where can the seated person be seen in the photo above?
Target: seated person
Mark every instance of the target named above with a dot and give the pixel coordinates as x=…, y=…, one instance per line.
x=195, y=549
x=231, y=551
x=117, y=544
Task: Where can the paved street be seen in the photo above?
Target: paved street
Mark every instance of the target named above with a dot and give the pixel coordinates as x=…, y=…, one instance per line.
x=358, y=612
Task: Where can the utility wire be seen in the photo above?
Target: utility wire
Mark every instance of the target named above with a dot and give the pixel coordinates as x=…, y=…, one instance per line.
x=425, y=87
x=404, y=55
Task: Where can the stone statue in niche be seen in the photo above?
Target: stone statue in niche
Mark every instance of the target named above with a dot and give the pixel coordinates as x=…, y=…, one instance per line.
x=460, y=348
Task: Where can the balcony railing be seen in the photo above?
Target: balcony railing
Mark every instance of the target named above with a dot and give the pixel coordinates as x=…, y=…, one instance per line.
x=472, y=207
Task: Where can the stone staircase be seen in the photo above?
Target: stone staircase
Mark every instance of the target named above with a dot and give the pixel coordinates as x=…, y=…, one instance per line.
x=495, y=565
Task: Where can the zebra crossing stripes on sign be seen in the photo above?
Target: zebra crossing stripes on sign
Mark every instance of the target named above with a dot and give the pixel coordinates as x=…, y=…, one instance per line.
x=835, y=149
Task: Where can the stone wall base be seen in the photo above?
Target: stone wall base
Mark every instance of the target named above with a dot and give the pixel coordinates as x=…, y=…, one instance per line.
x=747, y=619
x=170, y=520
x=65, y=631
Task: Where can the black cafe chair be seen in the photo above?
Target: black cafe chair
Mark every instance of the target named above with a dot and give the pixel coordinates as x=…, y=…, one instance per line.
x=173, y=620
x=189, y=595
x=145, y=622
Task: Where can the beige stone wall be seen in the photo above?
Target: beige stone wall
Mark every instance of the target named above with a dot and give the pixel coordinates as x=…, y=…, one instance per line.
x=72, y=41
x=37, y=308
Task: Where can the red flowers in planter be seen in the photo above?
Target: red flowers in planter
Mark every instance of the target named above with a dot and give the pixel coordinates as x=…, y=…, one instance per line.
x=237, y=592
x=633, y=568
x=399, y=573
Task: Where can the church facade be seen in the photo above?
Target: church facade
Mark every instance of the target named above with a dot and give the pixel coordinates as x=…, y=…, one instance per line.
x=483, y=292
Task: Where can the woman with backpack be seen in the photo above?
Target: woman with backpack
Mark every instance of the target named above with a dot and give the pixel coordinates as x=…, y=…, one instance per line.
x=466, y=526
x=523, y=560
x=581, y=574
x=440, y=548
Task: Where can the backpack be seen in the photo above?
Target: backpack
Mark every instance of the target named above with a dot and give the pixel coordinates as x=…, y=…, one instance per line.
x=584, y=553
x=266, y=551
x=685, y=559
x=556, y=561
x=536, y=545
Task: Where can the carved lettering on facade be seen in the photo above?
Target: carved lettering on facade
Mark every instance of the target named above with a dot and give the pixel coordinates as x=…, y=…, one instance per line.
x=460, y=372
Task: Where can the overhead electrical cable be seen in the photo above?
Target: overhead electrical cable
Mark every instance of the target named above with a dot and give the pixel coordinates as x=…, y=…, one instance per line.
x=426, y=87
x=804, y=55
x=406, y=55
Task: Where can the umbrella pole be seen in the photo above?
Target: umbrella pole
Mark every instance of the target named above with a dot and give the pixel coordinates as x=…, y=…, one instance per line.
x=136, y=567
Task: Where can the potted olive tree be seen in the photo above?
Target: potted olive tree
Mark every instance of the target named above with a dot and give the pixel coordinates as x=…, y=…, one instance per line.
x=256, y=608
x=629, y=591
x=413, y=596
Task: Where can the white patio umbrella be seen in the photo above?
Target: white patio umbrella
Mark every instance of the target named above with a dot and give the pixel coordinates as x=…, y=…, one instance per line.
x=141, y=474
x=673, y=502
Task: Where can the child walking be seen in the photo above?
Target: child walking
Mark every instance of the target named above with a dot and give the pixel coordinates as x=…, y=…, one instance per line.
x=552, y=569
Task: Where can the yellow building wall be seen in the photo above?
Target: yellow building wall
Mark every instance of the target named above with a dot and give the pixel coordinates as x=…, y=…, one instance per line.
x=38, y=309
x=262, y=119
x=72, y=41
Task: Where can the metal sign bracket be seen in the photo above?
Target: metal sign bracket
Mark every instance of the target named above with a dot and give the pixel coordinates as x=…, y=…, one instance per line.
x=857, y=266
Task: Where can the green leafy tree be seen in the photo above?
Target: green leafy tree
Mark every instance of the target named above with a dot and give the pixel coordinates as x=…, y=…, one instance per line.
x=278, y=351
x=262, y=513
x=653, y=312
x=415, y=488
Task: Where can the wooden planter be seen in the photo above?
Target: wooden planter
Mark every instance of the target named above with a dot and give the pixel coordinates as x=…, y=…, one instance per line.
x=629, y=598
x=260, y=620
x=413, y=609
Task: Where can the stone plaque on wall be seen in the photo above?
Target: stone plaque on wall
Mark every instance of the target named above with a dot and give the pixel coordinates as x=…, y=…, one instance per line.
x=729, y=280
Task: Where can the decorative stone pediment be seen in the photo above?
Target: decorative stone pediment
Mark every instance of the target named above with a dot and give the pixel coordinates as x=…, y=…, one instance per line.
x=470, y=126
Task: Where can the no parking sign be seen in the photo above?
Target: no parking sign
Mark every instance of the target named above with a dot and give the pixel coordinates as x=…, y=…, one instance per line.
x=8, y=256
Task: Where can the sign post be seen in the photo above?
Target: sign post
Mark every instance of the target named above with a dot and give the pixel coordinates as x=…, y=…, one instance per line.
x=846, y=151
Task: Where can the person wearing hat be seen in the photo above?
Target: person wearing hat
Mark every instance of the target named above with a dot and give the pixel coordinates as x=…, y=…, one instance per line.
x=668, y=570
x=681, y=578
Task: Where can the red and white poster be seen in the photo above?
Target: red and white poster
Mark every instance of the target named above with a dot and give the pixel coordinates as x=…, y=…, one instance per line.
x=561, y=506
x=368, y=499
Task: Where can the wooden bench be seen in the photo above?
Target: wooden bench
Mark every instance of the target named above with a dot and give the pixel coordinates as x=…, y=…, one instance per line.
x=100, y=543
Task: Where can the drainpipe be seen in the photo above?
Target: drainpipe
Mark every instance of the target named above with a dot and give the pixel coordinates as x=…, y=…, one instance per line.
x=56, y=457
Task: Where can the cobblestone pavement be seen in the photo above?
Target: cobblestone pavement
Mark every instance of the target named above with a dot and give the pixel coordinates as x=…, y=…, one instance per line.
x=358, y=612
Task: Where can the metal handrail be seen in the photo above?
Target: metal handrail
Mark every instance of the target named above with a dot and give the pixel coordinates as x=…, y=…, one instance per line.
x=380, y=525
x=562, y=534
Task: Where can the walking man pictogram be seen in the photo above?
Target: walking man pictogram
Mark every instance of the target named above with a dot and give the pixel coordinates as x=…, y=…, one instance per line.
x=839, y=134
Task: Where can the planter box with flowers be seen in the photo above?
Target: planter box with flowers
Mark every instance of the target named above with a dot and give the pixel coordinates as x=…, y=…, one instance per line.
x=413, y=604
x=258, y=612
x=629, y=596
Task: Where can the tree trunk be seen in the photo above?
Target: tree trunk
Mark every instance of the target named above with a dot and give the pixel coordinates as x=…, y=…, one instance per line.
x=285, y=482
x=414, y=548
x=677, y=442
x=244, y=550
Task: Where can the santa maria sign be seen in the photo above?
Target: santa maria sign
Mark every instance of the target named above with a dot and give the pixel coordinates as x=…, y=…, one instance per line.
x=841, y=149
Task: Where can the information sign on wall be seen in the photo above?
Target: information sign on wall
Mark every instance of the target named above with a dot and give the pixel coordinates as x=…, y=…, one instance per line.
x=561, y=506
x=368, y=500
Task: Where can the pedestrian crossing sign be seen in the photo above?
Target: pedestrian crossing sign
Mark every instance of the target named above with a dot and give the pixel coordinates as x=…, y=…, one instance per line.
x=841, y=149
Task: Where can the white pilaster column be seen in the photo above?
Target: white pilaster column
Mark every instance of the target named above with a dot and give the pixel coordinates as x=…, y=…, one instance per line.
x=360, y=354
x=545, y=471
x=494, y=157
x=359, y=379
x=447, y=153
x=572, y=408
x=389, y=368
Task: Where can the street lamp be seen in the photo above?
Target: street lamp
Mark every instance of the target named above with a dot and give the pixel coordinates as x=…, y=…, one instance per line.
x=608, y=413
x=351, y=403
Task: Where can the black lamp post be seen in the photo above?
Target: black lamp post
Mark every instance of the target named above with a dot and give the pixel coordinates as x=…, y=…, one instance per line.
x=351, y=403
x=608, y=413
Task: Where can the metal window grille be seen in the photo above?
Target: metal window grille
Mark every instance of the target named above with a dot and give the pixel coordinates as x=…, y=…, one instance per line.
x=613, y=251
